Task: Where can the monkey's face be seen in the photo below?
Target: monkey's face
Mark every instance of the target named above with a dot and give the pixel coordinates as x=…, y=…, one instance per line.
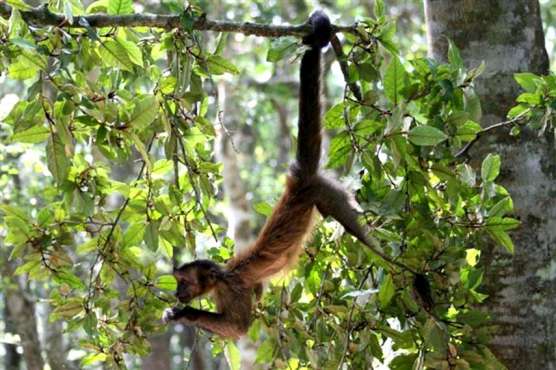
x=188, y=285
x=195, y=279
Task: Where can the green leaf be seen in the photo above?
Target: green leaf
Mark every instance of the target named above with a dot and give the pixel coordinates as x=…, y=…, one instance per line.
x=280, y=48
x=151, y=235
x=394, y=80
x=340, y=150
x=218, y=65
x=27, y=267
x=468, y=131
x=133, y=51
x=263, y=208
x=114, y=54
x=93, y=358
x=161, y=168
x=530, y=98
x=57, y=158
x=144, y=113
x=27, y=65
x=490, y=167
x=166, y=282
x=68, y=277
x=70, y=309
x=232, y=354
x=266, y=351
x=19, y=4
x=528, y=81
x=334, y=118
x=502, y=238
x=502, y=223
x=426, y=135
x=378, y=8
x=454, y=56
x=33, y=135
x=435, y=334
x=501, y=208
x=14, y=212
x=133, y=235
x=387, y=291
x=120, y=7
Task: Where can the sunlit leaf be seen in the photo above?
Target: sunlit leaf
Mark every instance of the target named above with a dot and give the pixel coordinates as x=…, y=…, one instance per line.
x=426, y=135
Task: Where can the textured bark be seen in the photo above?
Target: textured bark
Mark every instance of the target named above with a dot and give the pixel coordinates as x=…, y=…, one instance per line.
x=12, y=360
x=22, y=310
x=55, y=348
x=507, y=35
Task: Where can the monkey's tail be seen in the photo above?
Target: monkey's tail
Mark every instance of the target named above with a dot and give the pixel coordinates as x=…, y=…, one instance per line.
x=309, y=135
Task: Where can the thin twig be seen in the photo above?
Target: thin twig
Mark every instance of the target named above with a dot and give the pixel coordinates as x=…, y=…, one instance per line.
x=42, y=16
x=350, y=317
x=101, y=251
x=342, y=59
x=192, y=181
x=479, y=134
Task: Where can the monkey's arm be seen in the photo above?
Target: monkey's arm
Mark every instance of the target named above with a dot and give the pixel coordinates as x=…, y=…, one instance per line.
x=217, y=323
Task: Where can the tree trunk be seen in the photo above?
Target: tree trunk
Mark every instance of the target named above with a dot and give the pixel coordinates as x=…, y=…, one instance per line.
x=56, y=350
x=238, y=213
x=508, y=36
x=160, y=356
x=12, y=361
x=22, y=310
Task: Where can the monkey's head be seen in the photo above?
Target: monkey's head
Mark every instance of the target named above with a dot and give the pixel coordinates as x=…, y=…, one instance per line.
x=196, y=278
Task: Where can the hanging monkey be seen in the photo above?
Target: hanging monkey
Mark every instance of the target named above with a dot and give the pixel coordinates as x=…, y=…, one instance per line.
x=235, y=285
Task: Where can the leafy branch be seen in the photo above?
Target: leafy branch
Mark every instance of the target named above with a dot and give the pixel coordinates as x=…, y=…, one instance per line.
x=495, y=126
x=42, y=16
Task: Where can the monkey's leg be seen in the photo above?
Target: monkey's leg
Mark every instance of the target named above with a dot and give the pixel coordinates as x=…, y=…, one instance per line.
x=333, y=200
x=216, y=323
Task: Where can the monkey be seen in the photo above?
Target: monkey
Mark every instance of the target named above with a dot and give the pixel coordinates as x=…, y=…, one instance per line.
x=237, y=285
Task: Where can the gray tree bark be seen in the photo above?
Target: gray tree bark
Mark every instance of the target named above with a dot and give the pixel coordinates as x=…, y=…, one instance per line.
x=22, y=311
x=12, y=360
x=508, y=36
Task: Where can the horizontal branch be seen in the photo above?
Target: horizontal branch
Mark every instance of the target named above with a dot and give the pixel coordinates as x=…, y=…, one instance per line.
x=42, y=16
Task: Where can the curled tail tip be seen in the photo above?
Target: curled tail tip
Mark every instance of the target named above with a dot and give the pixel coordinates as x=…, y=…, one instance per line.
x=322, y=30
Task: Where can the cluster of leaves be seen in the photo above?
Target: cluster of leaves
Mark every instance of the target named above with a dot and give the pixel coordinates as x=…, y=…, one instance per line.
x=96, y=97
x=537, y=104
x=99, y=96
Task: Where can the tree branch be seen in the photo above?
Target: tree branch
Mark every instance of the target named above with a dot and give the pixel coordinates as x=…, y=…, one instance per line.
x=342, y=59
x=479, y=134
x=42, y=16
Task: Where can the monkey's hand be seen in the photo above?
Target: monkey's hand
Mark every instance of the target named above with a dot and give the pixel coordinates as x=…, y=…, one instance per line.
x=322, y=30
x=170, y=314
x=186, y=314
